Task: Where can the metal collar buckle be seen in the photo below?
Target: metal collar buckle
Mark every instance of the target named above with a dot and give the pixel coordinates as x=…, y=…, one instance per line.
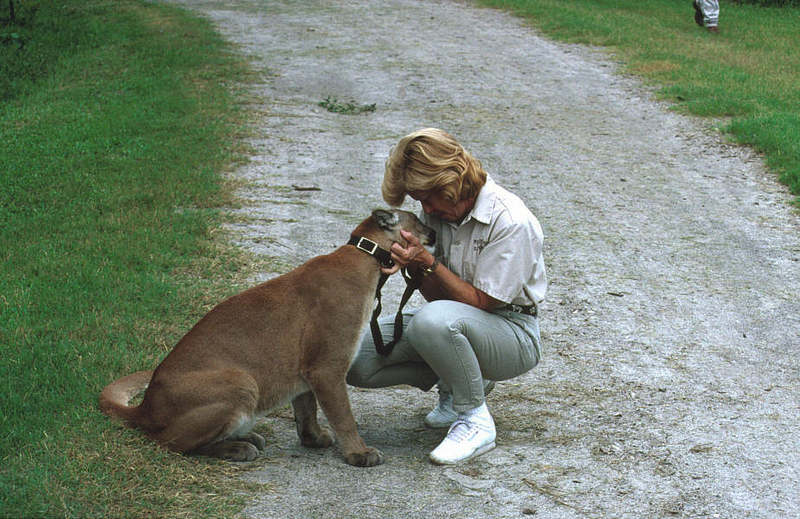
x=370, y=249
x=383, y=256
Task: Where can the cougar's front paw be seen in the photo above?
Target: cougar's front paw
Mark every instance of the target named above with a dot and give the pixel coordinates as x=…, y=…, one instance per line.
x=367, y=458
x=318, y=439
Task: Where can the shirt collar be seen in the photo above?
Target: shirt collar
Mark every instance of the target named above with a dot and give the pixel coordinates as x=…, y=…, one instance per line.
x=484, y=203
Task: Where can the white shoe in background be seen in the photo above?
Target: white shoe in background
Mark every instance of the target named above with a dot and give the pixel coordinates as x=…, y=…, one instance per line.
x=443, y=415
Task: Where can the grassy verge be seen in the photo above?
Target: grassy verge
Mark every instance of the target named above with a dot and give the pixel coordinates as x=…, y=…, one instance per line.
x=114, y=123
x=748, y=73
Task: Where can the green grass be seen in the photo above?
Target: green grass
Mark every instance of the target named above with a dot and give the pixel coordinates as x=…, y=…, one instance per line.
x=116, y=118
x=748, y=75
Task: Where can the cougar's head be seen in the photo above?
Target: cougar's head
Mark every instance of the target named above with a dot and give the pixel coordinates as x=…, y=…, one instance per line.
x=392, y=221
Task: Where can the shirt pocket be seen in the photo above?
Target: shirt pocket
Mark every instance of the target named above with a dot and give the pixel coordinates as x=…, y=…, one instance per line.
x=455, y=259
x=468, y=265
x=470, y=252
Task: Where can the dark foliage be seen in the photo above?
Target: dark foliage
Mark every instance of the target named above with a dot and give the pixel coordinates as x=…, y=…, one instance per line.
x=770, y=3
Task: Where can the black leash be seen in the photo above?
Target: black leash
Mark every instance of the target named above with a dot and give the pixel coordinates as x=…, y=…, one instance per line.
x=412, y=283
x=384, y=257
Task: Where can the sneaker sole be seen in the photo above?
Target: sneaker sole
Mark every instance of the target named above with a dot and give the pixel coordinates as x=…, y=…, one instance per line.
x=478, y=452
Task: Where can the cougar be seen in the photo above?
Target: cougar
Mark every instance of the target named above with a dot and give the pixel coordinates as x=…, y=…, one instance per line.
x=290, y=339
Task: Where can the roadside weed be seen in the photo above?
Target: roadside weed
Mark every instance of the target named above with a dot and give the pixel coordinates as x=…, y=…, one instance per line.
x=332, y=104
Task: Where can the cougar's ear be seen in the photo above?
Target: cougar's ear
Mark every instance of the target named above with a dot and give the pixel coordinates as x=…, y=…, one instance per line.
x=386, y=219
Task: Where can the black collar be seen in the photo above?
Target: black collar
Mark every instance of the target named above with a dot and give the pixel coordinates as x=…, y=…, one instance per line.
x=383, y=256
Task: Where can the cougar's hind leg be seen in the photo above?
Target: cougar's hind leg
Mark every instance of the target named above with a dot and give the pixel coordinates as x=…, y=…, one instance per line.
x=331, y=392
x=236, y=442
x=217, y=419
x=209, y=430
x=256, y=439
x=231, y=450
x=308, y=429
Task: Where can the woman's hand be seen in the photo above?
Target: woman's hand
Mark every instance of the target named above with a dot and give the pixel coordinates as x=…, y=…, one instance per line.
x=445, y=284
x=413, y=255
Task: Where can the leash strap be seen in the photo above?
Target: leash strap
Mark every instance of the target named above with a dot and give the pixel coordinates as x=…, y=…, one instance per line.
x=384, y=257
x=412, y=283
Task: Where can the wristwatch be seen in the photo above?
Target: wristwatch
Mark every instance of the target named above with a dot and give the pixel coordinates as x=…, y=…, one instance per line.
x=427, y=271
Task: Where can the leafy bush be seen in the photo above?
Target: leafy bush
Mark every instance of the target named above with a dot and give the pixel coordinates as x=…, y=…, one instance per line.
x=32, y=43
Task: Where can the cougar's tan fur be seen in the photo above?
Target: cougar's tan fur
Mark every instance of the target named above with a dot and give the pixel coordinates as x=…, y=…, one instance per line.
x=291, y=339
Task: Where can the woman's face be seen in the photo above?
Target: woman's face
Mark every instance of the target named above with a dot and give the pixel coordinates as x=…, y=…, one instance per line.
x=435, y=204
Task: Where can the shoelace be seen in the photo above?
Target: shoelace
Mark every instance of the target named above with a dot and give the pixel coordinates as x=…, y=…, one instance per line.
x=463, y=428
x=460, y=430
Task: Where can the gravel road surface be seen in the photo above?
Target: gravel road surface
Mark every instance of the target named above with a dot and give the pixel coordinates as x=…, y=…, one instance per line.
x=669, y=383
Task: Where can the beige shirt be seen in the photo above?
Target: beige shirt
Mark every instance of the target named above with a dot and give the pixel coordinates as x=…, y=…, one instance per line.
x=497, y=247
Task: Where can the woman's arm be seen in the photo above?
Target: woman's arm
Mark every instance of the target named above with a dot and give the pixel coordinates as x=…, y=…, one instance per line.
x=442, y=283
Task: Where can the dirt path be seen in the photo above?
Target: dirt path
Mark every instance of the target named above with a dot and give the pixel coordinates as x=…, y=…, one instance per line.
x=670, y=379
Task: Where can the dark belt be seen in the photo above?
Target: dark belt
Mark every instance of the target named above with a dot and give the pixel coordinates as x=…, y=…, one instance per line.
x=525, y=310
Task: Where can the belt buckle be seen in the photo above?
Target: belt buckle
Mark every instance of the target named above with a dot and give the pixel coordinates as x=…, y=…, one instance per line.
x=524, y=310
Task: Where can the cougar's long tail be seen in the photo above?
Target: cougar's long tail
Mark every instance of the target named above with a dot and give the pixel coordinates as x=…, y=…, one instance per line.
x=115, y=397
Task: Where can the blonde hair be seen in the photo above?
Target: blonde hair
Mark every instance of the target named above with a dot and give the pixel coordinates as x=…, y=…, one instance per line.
x=431, y=160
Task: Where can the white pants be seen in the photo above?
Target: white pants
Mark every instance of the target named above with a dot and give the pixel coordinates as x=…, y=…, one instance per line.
x=453, y=343
x=710, y=10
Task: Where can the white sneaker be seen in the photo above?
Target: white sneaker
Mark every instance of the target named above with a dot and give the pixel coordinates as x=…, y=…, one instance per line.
x=470, y=435
x=443, y=415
